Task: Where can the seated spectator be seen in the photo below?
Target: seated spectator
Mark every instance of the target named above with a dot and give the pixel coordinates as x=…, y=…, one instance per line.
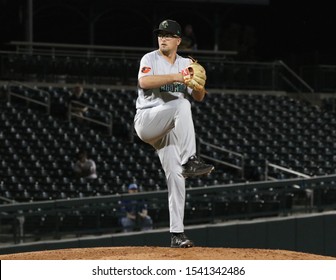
x=136, y=213
x=84, y=167
x=77, y=95
x=188, y=39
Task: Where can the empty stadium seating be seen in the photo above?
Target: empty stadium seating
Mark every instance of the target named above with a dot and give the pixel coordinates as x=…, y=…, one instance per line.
x=38, y=149
x=279, y=129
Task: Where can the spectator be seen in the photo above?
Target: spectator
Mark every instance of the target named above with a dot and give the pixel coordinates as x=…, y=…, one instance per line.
x=136, y=213
x=188, y=39
x=84, y=167
x=240, y=38
x=248, y=44
x=231, y=37
x=77, y=95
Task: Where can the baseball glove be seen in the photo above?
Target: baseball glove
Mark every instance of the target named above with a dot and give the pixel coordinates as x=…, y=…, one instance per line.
x=195, y=76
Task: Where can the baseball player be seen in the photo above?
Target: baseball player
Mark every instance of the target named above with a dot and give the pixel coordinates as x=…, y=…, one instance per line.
x=163, y=118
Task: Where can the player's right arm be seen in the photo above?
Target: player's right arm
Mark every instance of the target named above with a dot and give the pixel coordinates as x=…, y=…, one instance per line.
x=148, y=79
x=155, y=81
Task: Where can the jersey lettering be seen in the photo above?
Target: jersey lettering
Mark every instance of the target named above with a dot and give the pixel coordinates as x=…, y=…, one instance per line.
x=176, y=87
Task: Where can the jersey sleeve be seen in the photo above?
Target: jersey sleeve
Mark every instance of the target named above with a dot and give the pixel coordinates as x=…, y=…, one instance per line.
x=146, y=67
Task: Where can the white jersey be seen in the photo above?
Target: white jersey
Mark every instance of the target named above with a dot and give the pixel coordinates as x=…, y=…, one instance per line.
x=153, y=63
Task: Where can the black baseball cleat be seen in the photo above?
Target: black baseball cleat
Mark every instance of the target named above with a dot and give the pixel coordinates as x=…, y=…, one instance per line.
x=180, y=240
x=196, y=167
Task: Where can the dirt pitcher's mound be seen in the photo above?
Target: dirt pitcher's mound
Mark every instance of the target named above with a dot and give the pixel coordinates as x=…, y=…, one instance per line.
x=163, y=253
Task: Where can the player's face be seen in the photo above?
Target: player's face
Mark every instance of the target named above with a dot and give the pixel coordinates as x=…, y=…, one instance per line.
x=168, y=42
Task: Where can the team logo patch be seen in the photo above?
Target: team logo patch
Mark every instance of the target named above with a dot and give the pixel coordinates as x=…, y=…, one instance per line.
x=145, y=69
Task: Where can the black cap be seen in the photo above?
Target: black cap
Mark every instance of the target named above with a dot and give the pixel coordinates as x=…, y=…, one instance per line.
x=169, y=26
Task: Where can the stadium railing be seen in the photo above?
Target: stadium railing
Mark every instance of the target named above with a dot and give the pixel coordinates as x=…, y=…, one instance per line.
x=240, y=162
x=97, y=115
x=257, y=200
x=119, y=65
x=41, y=97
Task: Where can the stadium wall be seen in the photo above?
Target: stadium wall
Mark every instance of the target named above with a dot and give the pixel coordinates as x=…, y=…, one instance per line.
x=310, y=233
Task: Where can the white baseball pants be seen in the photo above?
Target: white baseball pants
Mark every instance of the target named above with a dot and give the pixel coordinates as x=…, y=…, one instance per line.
x=169, y=128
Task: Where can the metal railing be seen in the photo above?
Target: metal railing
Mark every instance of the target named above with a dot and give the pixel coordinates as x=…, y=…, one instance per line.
x=240, y=167
x=278, y=167
x=109, y=120
x=6, y=200
x=308, y=192
x=321, y=77
x=119, y=65
x=292, y=79
x=89, y=51
x=46, y=102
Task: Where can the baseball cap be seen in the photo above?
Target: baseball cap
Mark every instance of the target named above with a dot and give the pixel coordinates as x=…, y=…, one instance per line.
x=169, y=26
x=133, y=187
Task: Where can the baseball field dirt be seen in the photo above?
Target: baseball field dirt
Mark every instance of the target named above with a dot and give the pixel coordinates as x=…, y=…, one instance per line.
x=163, y=253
